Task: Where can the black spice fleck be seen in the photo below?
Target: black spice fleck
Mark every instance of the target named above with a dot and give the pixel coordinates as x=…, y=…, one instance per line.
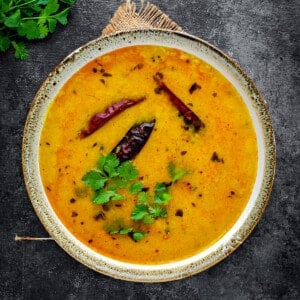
x=105, y=74
x=74, y=214
x=72, y=200
x=179, y=213
x=195, y=86
x=105, y=207
x=216, y=158
x=183, y=152
x=100, y=215
x=157, y=90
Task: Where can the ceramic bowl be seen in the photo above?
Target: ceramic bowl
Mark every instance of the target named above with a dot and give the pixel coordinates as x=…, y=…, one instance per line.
x=248, y=218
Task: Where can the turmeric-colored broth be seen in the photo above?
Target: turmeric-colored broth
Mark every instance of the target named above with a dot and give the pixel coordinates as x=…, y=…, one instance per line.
x=210, y=197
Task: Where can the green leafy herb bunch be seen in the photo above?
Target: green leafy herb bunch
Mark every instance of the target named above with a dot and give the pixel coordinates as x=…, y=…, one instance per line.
x=23, y=20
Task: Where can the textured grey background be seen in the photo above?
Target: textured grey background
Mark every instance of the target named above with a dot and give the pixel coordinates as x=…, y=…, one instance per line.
x=262, y=36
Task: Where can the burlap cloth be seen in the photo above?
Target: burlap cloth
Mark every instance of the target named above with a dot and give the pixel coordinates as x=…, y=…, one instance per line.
x=129, y=16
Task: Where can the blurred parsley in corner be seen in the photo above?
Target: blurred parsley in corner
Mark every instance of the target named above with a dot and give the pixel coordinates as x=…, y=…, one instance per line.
x=22, y=20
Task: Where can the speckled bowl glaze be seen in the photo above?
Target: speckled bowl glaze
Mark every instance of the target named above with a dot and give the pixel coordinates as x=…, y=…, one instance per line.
x=247, y=220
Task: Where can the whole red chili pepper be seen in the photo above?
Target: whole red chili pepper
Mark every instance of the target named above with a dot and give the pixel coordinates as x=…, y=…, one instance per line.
x=190, y=118
x=134, y=140
x=99, y=119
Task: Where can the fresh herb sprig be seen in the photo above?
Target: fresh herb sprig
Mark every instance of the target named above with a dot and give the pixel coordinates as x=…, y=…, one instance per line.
x=147, y=212
x=134, y=234
x=23, y=20
x=111, y=177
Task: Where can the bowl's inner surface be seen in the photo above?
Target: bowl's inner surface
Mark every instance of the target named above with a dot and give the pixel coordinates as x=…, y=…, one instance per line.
x=214, y=204
x=220, y=159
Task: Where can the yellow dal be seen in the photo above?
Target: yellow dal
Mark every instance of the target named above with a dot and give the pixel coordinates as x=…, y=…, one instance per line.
x=211, y=196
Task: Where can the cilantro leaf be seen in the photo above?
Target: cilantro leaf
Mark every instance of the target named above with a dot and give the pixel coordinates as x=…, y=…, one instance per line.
x=62, y=17
x=51, y=7
x=13, y=20
x=104, y=196
x=139, y=212
x=175, y=175
x=158, y=212
x=161, y=195
x=137, y=236
x=111, y=164
x=148, y=219
x=70, y=2
x=119, y=182
x=94, y=179
x=127, y=171
x=30, y=29
x=4, y=42
x=136, y=188
x=117, y=197
x=143, y=198
x=52, y=25
x=20, y=50
x=126, y=230
x=108, y=165
x=23, y=20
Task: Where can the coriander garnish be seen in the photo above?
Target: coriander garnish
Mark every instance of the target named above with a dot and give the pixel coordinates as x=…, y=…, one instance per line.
x=112, y=176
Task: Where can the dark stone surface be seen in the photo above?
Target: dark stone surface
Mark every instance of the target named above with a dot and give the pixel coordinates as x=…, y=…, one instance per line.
x=262, y=36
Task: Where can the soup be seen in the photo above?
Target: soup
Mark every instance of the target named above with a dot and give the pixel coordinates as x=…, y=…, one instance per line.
x=191, y=179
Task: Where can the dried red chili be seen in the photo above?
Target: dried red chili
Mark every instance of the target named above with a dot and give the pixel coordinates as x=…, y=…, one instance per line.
x=99, y=119
x=190, y=118
x=134, y=140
